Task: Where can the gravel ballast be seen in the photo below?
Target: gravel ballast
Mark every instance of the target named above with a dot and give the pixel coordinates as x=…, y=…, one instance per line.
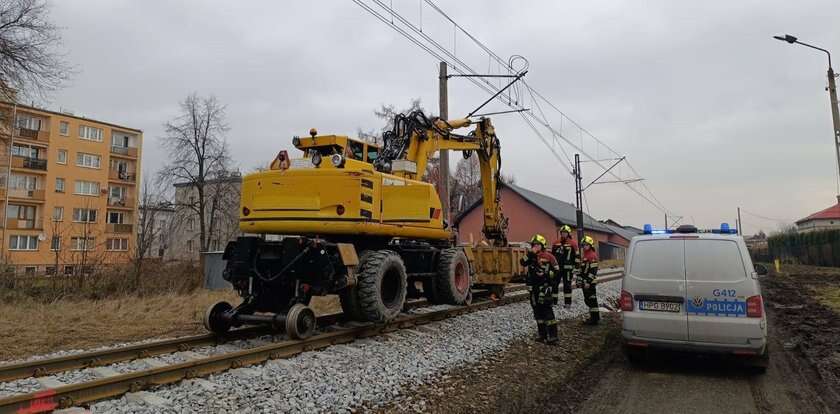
x=368, y=372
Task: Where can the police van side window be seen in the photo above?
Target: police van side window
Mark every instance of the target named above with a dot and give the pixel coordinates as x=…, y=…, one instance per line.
x=658, y=259
x=713, y=260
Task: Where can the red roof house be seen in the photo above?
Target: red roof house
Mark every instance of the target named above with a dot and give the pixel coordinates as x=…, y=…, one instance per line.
x=822, y=220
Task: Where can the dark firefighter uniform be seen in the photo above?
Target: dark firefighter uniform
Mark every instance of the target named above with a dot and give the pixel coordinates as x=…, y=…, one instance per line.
x=586, y=279
x=542, y=272
x=565, y=251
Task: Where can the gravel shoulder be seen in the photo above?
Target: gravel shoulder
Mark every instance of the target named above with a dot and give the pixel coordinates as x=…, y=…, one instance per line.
x=526, y=377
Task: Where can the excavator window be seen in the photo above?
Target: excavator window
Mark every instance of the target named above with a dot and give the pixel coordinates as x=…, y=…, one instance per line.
x=355, y=150
x=372, y=153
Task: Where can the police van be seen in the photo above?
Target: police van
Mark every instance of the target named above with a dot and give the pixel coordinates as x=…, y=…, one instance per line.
x=693, y=290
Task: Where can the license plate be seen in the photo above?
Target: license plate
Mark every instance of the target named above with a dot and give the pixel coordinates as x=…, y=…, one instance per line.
x=659, y=306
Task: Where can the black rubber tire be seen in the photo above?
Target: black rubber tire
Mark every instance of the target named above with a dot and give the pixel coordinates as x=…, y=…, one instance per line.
x=453, y=272
x=349, y=297
x=382, y=285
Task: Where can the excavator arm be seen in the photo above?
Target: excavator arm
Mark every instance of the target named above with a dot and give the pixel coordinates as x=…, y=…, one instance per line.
x=415, y=138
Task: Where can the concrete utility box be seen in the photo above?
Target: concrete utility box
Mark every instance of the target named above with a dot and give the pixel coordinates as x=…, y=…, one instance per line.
x=213, y=267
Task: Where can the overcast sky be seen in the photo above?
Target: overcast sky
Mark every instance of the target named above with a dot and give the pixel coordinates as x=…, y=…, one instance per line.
x=711, y=110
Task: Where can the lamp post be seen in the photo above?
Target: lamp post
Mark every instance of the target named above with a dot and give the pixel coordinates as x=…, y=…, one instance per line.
x=832, y=94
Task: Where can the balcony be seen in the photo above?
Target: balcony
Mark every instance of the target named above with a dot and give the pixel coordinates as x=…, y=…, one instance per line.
x=118, y=228
x=35, y=195
x=29, y=163
x=33, y=135
x=121, y=202
x=129, y=152
x=126, y=176
x=20, y=224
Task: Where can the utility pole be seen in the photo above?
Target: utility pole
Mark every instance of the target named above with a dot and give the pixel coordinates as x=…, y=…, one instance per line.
x=666, y=221
x=740, y=232
x=443, y=161
x=832, y=96
x=579, y=199
x=835, y=115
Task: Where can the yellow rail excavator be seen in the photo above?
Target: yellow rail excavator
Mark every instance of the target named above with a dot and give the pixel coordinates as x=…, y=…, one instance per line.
x=355, y=219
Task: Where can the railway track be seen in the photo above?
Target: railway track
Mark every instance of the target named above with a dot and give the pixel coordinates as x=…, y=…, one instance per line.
x=116, y=385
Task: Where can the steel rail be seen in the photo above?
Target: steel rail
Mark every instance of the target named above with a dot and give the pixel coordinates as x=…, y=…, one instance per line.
x=74, y=394
x=109, y=387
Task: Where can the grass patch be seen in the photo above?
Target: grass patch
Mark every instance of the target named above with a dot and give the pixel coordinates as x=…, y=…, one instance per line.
x=33, y=327
x=830, y=296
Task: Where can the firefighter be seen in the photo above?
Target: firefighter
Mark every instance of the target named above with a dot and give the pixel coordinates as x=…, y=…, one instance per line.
x=565, y=251
x=586, y=278
x=542, y=271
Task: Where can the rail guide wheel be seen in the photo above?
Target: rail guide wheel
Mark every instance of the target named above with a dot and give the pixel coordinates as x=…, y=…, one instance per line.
x=300, y=321
x=213, y=319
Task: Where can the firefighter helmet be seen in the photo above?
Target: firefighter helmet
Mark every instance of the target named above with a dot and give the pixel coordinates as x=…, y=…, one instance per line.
x=538, y=239
x=566, y=228
x=588, y=240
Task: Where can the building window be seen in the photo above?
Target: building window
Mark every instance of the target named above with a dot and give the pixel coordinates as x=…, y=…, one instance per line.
x=116, y=217
x=30, y=270
x=50, y=270
x=88, y=160
x=190, y=224
x=59, y=185
x=23, y=182
x=115, y=245
x=25, y=215
x=121, y=140
x=189, y=246
x=90, y=133
x=68, y=270
x=84, y=215
x=78, y=243
x=62, y=156
x=23, y=242
x=28, y=122
x=55, y=243
x=87, y=188
x=64, y=128
x=58, y=213
x=25, y=151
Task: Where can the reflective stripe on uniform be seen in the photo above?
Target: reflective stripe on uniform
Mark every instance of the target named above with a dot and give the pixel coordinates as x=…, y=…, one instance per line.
x=540, y=321
x=593, y=309
x=567, y=295
x=551, y=322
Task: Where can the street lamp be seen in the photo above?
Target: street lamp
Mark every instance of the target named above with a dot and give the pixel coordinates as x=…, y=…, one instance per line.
x=832, y=94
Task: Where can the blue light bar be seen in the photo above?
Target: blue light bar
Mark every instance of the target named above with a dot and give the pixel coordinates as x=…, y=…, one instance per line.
x=648, y=229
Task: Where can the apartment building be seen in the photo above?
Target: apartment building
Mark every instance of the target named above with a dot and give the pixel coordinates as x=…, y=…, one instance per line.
x=69, y=188
x=221, y=216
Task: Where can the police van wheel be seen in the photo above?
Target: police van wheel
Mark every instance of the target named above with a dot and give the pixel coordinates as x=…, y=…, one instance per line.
x=760, y=363
x=635, y=355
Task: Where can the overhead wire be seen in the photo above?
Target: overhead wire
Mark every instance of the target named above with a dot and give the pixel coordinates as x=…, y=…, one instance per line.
x=463, y=68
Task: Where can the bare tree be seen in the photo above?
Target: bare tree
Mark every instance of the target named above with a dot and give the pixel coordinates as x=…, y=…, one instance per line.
x=466, y=184
x=198, y=154
x=387, y=114
x=154, y=226
x=29, y=64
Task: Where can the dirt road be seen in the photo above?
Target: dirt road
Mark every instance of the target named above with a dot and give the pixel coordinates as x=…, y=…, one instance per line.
x=802, y=376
